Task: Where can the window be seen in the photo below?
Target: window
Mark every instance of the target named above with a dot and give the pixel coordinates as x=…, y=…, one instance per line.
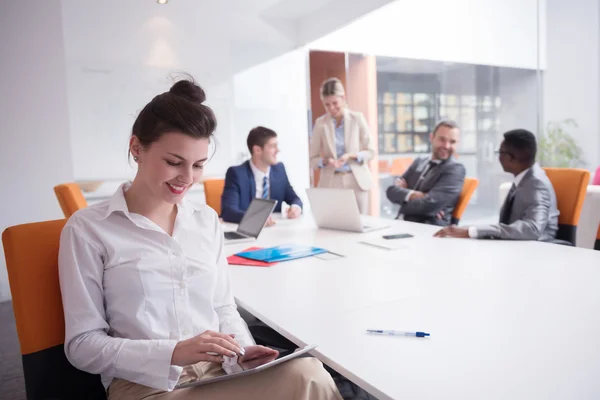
x=406, y=117
x=405, y=120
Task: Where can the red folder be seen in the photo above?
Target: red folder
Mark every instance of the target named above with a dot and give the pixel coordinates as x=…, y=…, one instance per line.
x=235, y=260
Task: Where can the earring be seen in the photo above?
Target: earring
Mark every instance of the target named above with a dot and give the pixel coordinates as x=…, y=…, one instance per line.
x=136, y=158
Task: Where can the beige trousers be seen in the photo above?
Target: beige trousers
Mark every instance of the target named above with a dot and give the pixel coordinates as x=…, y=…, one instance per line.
x=346, y=180
x=298, y=379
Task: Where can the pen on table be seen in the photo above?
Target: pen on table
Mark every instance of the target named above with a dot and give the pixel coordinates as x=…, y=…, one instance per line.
x=396, y=333
x=335, y=254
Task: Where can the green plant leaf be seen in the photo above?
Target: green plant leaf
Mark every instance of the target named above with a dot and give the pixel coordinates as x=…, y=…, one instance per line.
x=557, y=148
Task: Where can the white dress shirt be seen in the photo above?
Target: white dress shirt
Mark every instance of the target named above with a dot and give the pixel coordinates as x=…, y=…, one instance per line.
x=473, y=229
x=130, y=291
x=259, y=177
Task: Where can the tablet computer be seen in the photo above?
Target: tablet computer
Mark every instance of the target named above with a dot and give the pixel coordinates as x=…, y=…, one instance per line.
x=250, y=371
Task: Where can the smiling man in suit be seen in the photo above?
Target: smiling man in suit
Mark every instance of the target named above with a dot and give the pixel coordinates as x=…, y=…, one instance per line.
x=430, y=187
x=260, y=177
x=530, y=210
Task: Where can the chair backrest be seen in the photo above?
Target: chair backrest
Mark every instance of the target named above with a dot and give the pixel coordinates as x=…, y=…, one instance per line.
x=70, y=197
x=213, y=190
x=570, y=186
x=384, y=166
x=466, y=193
x=400, y=165
x=596, y=180
x=31, y=252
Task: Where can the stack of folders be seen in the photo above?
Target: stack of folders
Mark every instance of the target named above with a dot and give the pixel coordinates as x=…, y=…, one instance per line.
x=284, y=252
x=237, y=260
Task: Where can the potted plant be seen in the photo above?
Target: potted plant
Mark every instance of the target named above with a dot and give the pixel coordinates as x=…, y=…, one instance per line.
x=557, y=148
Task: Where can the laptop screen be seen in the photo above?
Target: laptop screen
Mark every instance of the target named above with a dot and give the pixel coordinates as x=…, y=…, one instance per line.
x=255, y=217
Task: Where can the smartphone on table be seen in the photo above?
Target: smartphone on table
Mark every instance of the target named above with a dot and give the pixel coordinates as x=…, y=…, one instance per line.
x=398, y=236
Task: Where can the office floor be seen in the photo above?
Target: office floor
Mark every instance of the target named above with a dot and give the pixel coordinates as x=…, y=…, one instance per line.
x=12, y=385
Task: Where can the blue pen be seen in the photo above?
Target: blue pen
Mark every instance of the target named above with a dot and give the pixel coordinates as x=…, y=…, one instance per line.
x=396, y=333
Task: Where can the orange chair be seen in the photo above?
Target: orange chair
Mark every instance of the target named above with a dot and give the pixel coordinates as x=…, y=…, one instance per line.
x=463, y=200
x=31, y=252
x=213, y=189
x=597, y=244
x=570, y=186
x=70, y=197
x=400, y=165
x=384, y=166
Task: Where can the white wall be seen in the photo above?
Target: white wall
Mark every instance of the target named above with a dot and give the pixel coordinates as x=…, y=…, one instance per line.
x=274, y=94
x=487, y=32
x=113, y=73
x=35, y=149
x=117, y=61
x=571, y=81
x=322, y=21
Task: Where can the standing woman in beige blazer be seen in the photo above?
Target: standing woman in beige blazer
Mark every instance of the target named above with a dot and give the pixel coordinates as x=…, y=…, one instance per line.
x=341, y=145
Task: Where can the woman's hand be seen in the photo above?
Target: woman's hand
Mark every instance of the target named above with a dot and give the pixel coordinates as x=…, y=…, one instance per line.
x=333, y=163
x=208, y=346
x=257, y=355
x=330, y=162
x=348, y=156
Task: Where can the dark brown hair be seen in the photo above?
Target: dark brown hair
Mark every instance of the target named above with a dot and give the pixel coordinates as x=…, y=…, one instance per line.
x=178, y=110
x=259, y=136
x=521, y=145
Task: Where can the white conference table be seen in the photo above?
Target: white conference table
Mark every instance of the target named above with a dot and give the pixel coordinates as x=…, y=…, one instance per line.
x=508, y=320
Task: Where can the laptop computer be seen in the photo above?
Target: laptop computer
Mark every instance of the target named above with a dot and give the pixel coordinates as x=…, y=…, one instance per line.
x=252, y=222
x=337, y=209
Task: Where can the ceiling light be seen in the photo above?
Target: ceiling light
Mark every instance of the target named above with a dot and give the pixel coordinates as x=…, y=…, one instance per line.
x=162, y=1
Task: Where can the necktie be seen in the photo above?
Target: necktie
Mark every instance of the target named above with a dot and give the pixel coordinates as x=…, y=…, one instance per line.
x=265, y=191
x=426, y=170
x=507, y=207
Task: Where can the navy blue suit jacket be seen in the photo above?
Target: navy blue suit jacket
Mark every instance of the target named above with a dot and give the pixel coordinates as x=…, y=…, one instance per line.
x=240, y=190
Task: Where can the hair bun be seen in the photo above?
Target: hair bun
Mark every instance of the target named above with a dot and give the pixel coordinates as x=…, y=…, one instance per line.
x=188, y=90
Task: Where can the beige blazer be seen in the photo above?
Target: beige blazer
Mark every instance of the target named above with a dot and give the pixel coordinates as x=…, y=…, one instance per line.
x=357, y=138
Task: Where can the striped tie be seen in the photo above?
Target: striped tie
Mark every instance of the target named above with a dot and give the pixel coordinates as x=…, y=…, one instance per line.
x=265, y=192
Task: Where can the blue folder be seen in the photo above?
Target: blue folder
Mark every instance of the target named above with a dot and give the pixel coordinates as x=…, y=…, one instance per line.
x=283, y=252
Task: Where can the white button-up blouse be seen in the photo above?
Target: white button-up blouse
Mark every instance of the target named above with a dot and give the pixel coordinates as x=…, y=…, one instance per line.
x=130, y=291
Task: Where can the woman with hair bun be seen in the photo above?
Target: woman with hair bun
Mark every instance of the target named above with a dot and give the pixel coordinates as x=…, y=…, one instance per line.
x=145, y=283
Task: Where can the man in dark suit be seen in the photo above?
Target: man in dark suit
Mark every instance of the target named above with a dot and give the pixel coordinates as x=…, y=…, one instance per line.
x=261, y=177
x=430, y=187
x=530, y=210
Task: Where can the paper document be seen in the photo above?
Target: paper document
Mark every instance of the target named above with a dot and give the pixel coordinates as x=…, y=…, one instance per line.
x=329, y=256
x=387, y=244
